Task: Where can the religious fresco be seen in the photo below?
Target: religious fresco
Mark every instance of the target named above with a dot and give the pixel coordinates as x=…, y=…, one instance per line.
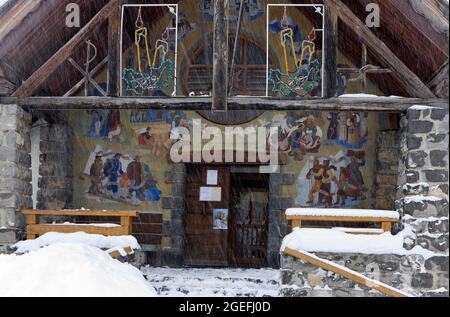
x=152, y=129
x=331, y=155
x=299, y=133
x=104, y=124
x=333, y=181
x=120, y=177
x=348, y=129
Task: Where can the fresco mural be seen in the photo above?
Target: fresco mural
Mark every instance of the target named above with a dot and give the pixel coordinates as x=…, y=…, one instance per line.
x=104, y=124
x=331, y=154
x=333, y=181
x=152, y=129
x=299, y=133
x=348, y=129
x=120, y=177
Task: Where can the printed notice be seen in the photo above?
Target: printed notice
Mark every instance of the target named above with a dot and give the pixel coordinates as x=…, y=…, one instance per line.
x=212, y=177
x=211, y=194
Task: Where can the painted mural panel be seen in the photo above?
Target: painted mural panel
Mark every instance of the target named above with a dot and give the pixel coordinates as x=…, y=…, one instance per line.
x=121, y=157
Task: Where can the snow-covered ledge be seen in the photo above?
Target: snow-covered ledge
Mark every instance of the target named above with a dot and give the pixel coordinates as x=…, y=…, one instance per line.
x=358, y=213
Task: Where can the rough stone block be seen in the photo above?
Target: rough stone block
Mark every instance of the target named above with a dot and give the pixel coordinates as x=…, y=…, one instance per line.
x=422, y=280
x=420, y=126
x=436, y=176
x=438, y=158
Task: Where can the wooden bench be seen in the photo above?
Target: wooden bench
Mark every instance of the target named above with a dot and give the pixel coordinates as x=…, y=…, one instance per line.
x=385, y=218
x=34, y=228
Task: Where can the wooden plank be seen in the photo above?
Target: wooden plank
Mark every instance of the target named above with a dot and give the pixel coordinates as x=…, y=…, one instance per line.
x=100, y=213
x=148, y=238
x=220, y=55
x=149, y=218
x=412, y=84
x=234, y=103
x=427, y=21
x=386, y=226
x=116, y=254
x=147, y=228
x=127, y=222
x=439, y=82
x=331, y=50
x=354, y=276
x=114, y=29
x=40, y=75
x=341, y=218
x=41, y=229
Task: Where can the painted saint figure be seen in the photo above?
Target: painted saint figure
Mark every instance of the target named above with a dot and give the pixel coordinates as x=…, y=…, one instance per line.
x=316, y=175
x=113, y=124
x=113, y=170
x=96, y=174
x=325, y=195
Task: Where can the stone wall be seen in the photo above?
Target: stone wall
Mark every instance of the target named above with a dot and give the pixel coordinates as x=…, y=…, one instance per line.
x=55, y=183
x=15, y=173
x=278, y=203
x=174, y=230
x=300, y=279
x=388, y=152
x=423, y=183
x=420, y=184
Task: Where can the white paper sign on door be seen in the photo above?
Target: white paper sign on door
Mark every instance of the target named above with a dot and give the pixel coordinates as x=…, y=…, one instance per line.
x=211, y=194
x=212, y=177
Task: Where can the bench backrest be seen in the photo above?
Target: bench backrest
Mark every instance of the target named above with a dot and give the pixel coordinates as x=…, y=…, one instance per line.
x=96, y=213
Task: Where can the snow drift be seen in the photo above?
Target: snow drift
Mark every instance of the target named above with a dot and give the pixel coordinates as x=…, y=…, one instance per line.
x=70, y=270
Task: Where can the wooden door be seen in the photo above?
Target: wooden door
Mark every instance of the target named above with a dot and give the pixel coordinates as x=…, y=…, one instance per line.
x=205, y=246
x=248, y=220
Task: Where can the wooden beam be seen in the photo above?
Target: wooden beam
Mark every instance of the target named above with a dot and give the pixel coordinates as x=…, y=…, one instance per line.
x=412, y=84
x=220, y=55
x=439, y=82
x=114, y=29
x=331, y=49
x=235, y=103
x=40, y=75
x=426, y=18
x=347, y=273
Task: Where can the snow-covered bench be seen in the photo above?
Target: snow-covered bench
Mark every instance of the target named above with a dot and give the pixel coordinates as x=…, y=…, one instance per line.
x=34, y=228
x=384, y=217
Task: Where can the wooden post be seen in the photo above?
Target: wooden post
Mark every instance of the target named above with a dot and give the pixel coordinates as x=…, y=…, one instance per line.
x=237, y=40
x=127, y=223
x=386, y=226
x=31, y=220
x=114, y=28
x=220, y=55
x=330, y=49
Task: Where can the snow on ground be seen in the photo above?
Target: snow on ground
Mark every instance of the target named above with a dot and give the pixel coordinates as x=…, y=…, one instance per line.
x=335, y=241
x=342, y=213
x=70, y=270
x=192, y=282
x=93, y=240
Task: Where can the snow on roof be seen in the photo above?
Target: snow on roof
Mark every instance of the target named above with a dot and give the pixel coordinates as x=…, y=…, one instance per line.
x=342, y=213
x=335, y=241
x=70, y=270
x=93, y=240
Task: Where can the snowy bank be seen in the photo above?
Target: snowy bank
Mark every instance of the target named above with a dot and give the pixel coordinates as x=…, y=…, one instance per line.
x=325, y=212
x=336, y=241
x=93, y=240
x=70, y=270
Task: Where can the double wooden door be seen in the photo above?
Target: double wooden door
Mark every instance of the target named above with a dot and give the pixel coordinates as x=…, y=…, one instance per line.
x=243, y=242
